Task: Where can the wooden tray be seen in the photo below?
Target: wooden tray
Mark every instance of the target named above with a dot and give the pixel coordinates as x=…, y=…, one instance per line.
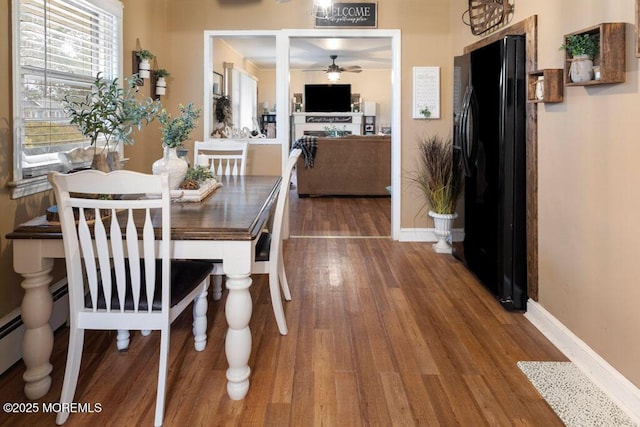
x=198, y=195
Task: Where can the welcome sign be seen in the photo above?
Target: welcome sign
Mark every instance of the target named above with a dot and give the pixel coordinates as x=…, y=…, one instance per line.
x=360, y=15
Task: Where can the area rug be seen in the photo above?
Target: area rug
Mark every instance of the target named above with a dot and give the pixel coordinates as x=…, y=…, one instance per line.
x=573, y=396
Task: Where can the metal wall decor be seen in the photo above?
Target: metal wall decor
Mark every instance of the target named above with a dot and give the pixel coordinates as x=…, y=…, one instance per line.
x=484, y=15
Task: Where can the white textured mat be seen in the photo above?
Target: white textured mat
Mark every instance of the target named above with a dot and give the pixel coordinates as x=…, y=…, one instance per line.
x=571, y=394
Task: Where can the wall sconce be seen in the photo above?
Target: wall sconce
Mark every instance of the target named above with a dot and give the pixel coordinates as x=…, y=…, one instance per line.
x=322, y=8
x=159, y=82
x=144, y=66
x=141, y=64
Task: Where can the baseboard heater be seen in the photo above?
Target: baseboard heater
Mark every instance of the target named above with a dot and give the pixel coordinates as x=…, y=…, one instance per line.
x=12, y=327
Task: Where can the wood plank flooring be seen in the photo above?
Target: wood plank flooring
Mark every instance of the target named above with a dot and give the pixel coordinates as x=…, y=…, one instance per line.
x=381, y=333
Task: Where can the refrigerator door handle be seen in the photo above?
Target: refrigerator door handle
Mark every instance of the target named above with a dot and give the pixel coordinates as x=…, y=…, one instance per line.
x=467, y=128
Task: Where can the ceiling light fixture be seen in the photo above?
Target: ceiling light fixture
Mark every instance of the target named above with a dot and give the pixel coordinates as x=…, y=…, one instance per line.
x=333, y=76
x=322, y=8
x=333, y=71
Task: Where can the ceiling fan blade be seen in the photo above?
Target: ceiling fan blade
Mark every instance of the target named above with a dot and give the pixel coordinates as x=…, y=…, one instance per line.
x=352, y=68
x=315, y=69
x=353, y=71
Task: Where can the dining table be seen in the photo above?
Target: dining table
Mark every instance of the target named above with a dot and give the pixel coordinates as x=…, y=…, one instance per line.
x=223, y=226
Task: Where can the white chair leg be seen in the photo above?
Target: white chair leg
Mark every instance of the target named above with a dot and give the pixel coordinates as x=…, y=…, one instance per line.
x=217, y=286
x=74, y=357
x=122, y=340
x=200, y=306
x=162, y=375
x=284, y=284
x=276, y=302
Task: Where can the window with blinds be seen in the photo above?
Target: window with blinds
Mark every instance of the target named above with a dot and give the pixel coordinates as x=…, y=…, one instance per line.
x=59, y=47
x=244, y=99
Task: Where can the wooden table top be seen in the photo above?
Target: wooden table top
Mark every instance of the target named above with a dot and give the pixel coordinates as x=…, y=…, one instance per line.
x=235, y=211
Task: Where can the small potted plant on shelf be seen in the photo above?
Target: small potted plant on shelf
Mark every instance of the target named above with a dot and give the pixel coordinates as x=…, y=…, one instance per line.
x=439, y=179
x=144, y=65
x=175, y=131
x=583, y=48
x=109, y=114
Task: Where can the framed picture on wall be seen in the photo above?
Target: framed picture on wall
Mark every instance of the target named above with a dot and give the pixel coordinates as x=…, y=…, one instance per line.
x=216, y=84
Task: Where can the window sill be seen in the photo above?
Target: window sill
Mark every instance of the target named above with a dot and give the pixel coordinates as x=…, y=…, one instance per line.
x=29, y=186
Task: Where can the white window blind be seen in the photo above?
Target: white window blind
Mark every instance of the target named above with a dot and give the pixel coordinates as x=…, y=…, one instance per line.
x=244, y=99
x=59, y=47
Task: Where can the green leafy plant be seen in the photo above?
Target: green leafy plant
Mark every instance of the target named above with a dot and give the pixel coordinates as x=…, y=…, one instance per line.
x=439, y=174
x=145, y=54
x=199, y=174
x=426, y=113
x=110, y=111
x=195, y=177
x=176, y=130
x=162, y=73
x=581, y=44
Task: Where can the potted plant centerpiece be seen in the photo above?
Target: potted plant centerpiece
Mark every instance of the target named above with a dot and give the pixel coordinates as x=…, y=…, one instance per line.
x=108, y=116
x=439, y=179
x=174, y=132
x=583, y=48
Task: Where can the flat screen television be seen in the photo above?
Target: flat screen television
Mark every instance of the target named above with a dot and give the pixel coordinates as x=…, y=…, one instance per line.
x=327, y=98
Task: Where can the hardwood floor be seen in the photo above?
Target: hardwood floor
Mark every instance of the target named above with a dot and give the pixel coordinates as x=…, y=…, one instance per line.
x=380, y=333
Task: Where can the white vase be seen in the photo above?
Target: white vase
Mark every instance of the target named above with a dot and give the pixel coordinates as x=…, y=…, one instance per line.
x=540, y=88
x=442, y=224
x=173, y=165
x=143, y=69
x=581, y=69
x=161, y=86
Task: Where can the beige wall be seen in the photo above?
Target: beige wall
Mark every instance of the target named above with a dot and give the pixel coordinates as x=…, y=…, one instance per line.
x=587, y=187
x=587, y=148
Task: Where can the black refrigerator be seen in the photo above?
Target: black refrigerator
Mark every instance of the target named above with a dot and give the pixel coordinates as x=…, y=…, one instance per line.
x=490, y=135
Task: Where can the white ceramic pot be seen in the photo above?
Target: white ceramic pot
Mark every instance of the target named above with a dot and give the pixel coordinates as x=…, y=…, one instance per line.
x=442, y=224
x=173, y=165
x=161, y=86
x=581, y=69
x=143, y=69
x=540, y=88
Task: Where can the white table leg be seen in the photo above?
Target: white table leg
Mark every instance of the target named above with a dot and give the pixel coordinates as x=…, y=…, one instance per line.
x=37, y=343
x=238, y=341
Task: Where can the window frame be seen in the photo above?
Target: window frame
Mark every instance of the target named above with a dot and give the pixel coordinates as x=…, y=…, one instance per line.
x=24, y=186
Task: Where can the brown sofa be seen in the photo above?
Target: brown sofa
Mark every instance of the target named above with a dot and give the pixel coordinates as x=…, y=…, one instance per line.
x=352, y=165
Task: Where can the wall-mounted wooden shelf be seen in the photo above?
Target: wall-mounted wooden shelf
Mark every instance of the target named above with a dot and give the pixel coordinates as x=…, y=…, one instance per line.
x=553, y=85
x=611, y=56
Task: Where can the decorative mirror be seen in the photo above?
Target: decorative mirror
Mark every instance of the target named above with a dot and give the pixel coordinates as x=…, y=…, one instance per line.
x=483, y=15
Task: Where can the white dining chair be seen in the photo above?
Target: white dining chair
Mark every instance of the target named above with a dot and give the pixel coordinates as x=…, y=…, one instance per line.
x=269, y=257
x=221, y=157
x=119, y=268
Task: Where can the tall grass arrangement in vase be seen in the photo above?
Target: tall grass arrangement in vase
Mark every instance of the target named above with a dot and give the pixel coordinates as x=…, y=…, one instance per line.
x=439, y=174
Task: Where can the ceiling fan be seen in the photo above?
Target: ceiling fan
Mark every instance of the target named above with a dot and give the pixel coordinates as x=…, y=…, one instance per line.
x=333, y=70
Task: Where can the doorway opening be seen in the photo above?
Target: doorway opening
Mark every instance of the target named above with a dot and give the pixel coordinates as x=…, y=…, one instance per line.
x=284, y=46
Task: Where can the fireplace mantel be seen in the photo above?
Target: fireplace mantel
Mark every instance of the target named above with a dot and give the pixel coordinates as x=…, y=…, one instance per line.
x=317, y=122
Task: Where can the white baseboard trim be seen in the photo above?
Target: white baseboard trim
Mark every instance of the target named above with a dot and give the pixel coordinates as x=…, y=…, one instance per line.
x=427, y=235
x=12, y=328
x=613, y=383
